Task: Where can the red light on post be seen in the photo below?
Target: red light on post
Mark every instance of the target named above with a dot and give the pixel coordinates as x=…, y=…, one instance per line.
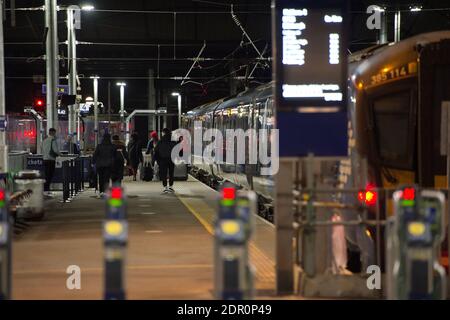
x=116, y=193
x=2, y=195
x=409, y=194
x=39, y=103
x=369, y=196
x=229, y=193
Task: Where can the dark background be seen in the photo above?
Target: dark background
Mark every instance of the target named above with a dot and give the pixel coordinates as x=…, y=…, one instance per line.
x=133, y=38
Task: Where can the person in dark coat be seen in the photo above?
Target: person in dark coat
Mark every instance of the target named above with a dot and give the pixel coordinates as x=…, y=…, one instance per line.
x=103, y=160
x=151, y=146
x=121, y=159
x=163, y=155
x=135, y=153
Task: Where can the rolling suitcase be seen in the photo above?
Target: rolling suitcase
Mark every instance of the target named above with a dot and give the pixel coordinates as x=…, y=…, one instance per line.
x=181, y=172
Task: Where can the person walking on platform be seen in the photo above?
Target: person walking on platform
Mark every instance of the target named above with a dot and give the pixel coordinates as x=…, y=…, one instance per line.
x=103, y=160
x=163, y=155
x=50, y=152
x=135, y=154
x=121, y=159
x=154, y=139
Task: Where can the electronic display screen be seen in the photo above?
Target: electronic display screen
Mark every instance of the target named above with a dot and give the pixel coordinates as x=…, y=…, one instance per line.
x=311, y=62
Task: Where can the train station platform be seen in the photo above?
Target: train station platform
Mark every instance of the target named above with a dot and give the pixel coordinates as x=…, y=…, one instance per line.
x=169, y=255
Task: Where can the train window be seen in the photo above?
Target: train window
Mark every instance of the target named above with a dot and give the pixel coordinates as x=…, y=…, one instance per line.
x=394, y=131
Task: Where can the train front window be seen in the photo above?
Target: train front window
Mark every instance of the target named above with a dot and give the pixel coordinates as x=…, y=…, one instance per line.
x=394, y=130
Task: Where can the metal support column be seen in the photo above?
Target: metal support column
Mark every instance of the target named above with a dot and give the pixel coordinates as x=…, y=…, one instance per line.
x=151, y=98
x=3, y=146
x=397, y=26
x=52, y=63
x=96, y=109
x=179, y=111
x=72, y=57
x=284, y=219
x=384, y=28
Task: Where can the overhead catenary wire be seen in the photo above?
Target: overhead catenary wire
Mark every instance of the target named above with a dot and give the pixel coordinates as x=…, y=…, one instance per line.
x=177, y=78
x=171, y=12
x=137, y=59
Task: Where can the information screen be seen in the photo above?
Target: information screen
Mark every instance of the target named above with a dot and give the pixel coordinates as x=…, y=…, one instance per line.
x=311, y=61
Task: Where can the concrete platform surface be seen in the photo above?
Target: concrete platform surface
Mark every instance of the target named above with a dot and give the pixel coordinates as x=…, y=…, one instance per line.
x=169, y=254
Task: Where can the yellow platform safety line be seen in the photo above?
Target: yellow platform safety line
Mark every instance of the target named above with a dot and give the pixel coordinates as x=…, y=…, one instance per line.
x=265, y=267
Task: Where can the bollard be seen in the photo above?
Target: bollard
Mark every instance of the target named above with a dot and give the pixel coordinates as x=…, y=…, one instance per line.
x=5, y=247
x=416, y=236
x=72, y=178
x=65, y=182
x=233, y=229
x=247, y=206
x=115, y=236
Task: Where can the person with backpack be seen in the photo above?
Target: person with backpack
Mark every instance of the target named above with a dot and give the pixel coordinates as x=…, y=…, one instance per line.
x=121, y=159
x=103, y=160
x=163, y=155
x=135, y=154
x=50, y=152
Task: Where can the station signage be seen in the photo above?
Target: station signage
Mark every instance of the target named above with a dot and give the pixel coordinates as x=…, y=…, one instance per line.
x=310, y=41
x=311, y=61
x=62, y=89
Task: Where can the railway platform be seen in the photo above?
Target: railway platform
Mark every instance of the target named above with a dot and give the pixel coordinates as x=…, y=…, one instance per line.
x=169, y=253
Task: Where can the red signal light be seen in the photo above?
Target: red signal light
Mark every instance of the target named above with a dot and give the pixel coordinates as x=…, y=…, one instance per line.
x=409, y=194
x=2, y=195
x=229, y=193
x=39, y=104
x=116, y=193
x=29, y=134
x=369, y=196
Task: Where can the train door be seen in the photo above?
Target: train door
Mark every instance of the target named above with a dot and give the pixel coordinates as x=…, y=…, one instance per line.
x=434, y=84
x=434, y=89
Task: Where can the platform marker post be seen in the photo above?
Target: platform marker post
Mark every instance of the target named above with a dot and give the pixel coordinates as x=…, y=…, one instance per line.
x=115, y=236
x=5, y=247
x=416, y=236
x=247, y=206
x=233, y=276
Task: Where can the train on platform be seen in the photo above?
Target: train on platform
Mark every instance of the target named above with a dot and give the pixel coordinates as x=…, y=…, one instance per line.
x=396, y=92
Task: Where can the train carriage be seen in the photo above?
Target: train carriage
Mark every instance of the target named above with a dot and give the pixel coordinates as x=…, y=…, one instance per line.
x=395, y=100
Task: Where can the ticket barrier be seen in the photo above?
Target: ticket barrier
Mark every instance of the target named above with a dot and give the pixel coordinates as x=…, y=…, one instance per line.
x=5, y=247
x=233, y=230
x=414, y=237
x=115, y=235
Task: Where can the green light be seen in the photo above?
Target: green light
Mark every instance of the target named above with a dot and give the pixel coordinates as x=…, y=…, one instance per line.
x=408, y=203
x=2, y=203
x=227, y=202
x=243, y=203
x=116, y=203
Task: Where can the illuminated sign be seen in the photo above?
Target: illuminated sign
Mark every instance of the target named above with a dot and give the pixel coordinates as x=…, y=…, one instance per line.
x=311, y=57
x=310, y=66
x=61, y=90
